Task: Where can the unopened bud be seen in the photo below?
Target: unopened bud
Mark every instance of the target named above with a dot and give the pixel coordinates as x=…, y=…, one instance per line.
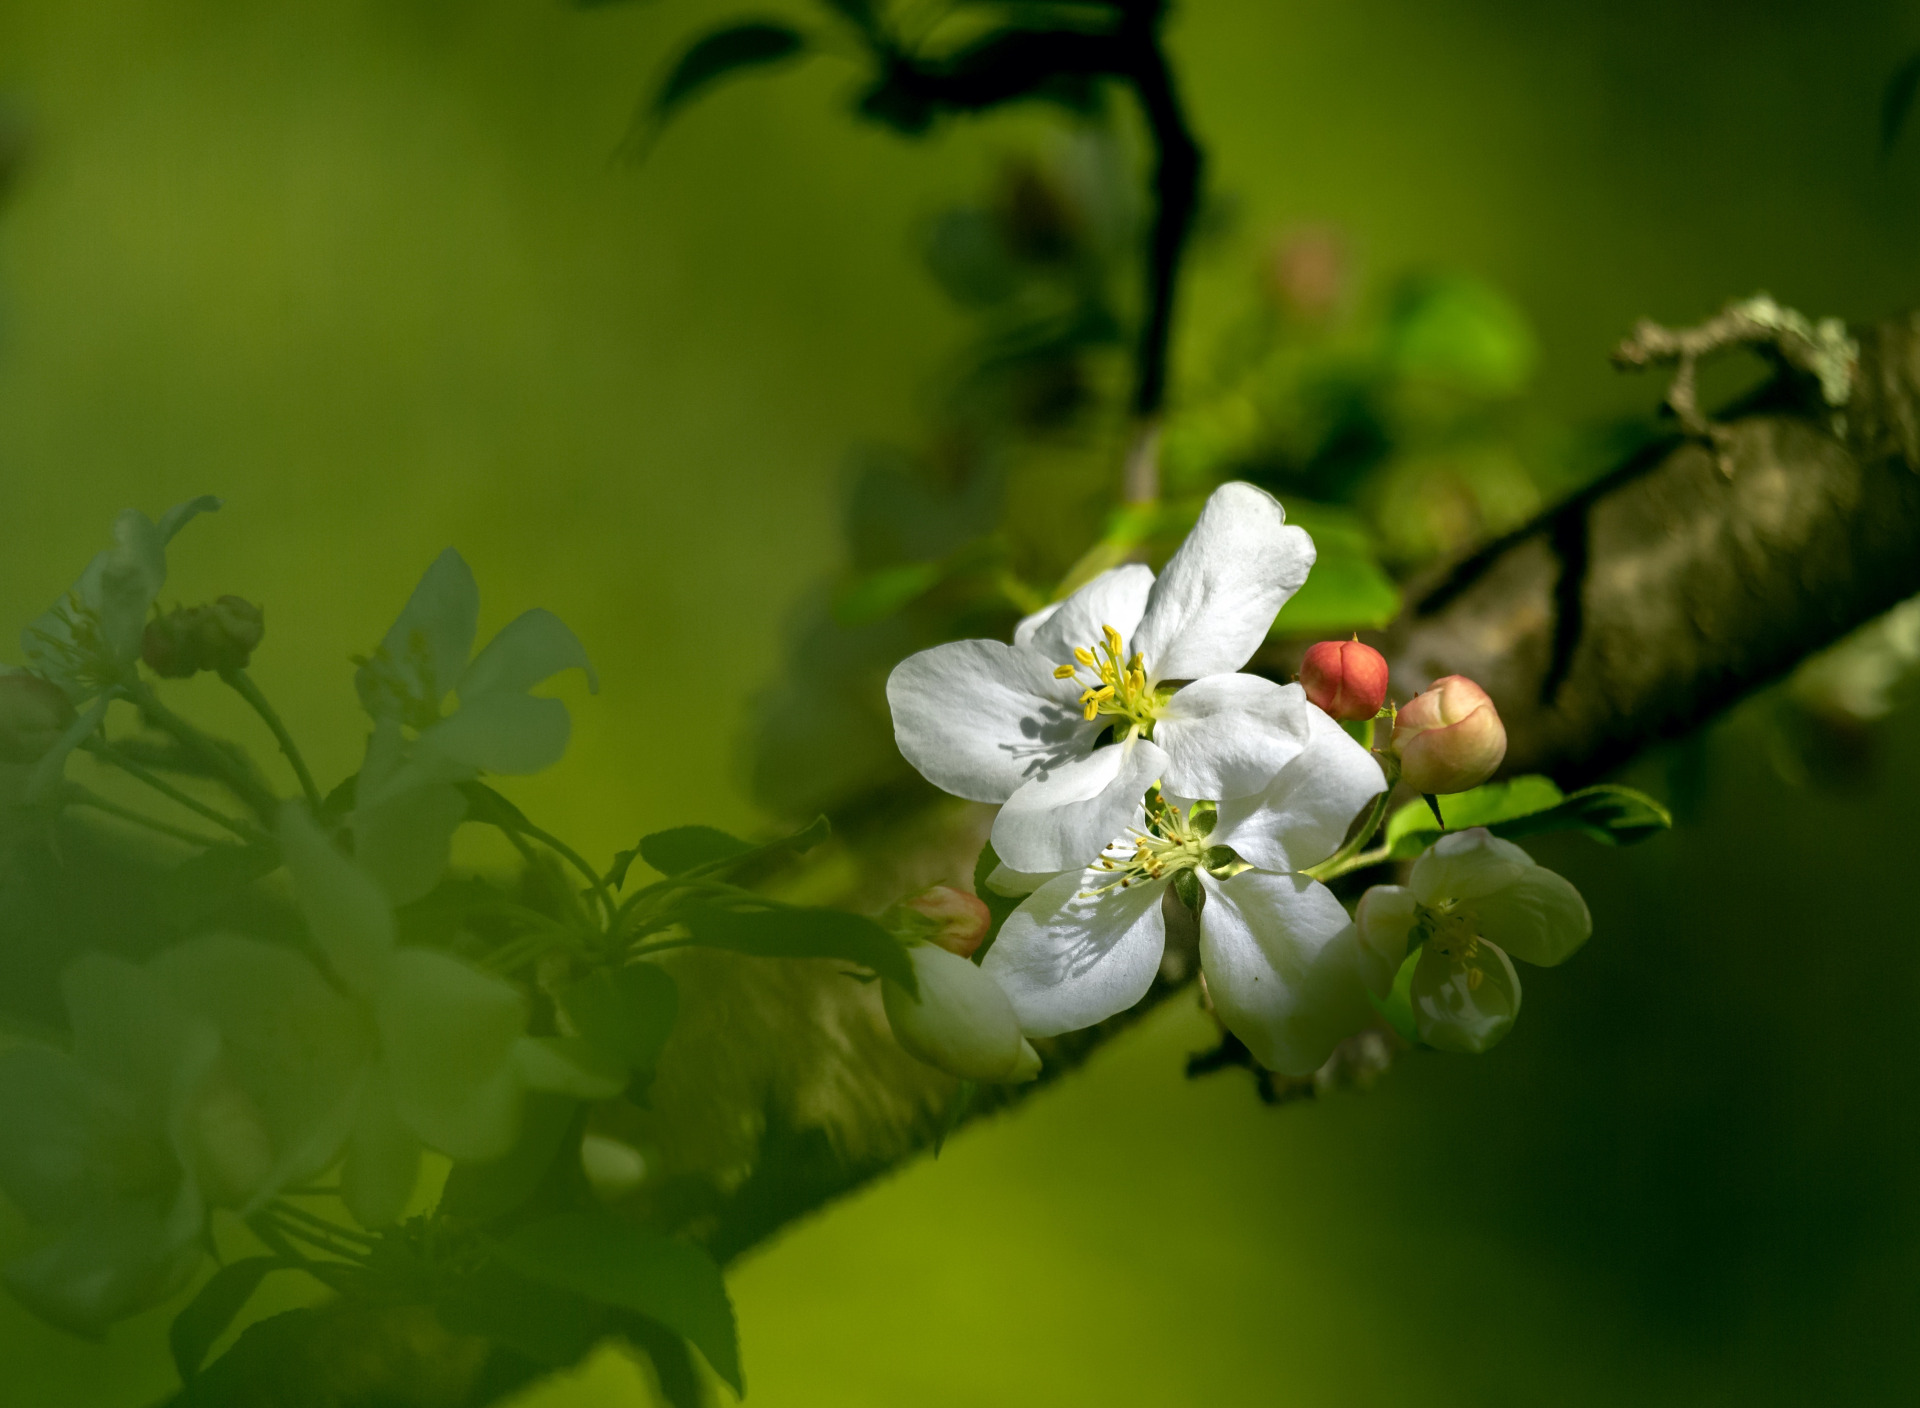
x=1450, y=738
x=1345, y=678
x=221, y=635
x=961, y=1022
x=953, y=919
x=33, y=715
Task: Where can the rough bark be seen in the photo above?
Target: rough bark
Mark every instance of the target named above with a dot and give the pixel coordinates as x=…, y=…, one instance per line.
x=1632, y=613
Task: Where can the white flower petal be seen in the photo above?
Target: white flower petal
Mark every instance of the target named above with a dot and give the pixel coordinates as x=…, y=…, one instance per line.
x=516, y=734
x=1067, y=959
x=122, y=1258
x=1463, y=865
x=533, y=647
x=383, y=1159
x=1384, y=921
x=978, y=718
x=403, y=835
x=1064, y=818
x=1215, y=602
x=425, y=652
x=1114, y=598
x=349, y=914
x=52, y=1157
x=1005, y=880
x=1283, y=967
x=1464, y=1006
x=447, y=1034
x=1303, y=815
x=1539, y=918
x=1228, y=735
x=128, y=1033
x=297, y=1048
x=961, y=1023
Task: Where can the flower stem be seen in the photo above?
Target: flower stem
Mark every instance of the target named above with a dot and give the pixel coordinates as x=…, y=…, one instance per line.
x=239, y=777
x=81, y=797
x=106, y=753
x=1352, y=856
x=242, y=684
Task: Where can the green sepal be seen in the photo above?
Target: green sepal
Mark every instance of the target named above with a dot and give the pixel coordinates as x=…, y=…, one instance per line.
x=1188, y=890
x=999, y=906
x=1397, y=1005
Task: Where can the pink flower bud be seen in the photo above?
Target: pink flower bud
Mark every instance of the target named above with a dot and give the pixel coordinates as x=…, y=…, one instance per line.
x=953, y=919
x=1345, y=678
x=1450, y=738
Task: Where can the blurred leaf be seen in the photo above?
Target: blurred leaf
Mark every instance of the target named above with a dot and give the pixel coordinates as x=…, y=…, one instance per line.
x=608, y=1259
x=551, y=1326
x=209, y=1313
x=1347, y=590
x=713, y=57
x=1462, y=334
x=687, y=848
x=998, y=905
x=801, y=933
x=1531, y=806
x=1896, y=102
x=674, y=1372
x=197, y=889
x=489, y=808
x=628, y=1013
x=481, y=1192
x=873, y=596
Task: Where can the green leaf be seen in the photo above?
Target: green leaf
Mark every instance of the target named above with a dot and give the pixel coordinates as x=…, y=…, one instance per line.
x=608, y=1259
x=718, y=55
x=788, y=932
x=209, y=1313
x=1397, y=1005
x=479, y=1192
x=196, y=890
x=489, y=808
x=1896, y=102
x=689, y=847
x=674, y=1372
x=1347, y=590
x=550, y=1326
x=627, y=1013
x=998, y=905
x=874, y=596
x=1530, y=806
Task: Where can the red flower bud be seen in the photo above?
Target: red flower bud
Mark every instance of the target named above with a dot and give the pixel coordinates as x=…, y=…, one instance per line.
x=1345, y=678
x=1450, y=738
x=953, y=919
x=219, y=636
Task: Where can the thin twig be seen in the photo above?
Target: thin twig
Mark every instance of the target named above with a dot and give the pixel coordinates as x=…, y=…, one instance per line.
x=242, y=684
x=107, y=753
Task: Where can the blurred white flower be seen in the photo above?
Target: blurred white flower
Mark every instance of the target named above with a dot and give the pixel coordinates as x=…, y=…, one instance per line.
x=406, y=804
x=1153, y=661
x=1471, y=900
x=1280, y=955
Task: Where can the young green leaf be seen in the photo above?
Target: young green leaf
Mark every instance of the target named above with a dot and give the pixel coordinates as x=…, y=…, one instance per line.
x=208, y=1314
x=627, y=1013
x=786, y=932
x=714, y=56
x=674, y=1372
x=1531, y=806
x=687, y=848
x=606, y=1258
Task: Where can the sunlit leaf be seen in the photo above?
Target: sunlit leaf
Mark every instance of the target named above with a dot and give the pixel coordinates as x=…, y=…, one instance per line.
x=1529, y=806
x=616, y=1262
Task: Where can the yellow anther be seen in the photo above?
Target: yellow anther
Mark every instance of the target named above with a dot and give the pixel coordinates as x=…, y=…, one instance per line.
x=1063, y=672
x=1092, y=710
x=1474, y=978
x=1113, y=641
x=1085, y=657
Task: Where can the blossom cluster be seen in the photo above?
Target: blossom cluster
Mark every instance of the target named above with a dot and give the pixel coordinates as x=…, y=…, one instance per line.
x=1138, y=765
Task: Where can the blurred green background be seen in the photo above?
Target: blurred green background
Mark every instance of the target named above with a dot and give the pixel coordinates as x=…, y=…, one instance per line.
x=372, y=271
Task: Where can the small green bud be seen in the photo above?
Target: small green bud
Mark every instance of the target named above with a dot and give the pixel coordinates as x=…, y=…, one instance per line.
x=953, y=919
x=33, y=715
x=188, y=639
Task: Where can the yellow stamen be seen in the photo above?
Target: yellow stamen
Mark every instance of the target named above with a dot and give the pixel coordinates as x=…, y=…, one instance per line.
x=1063, y=672
x=1085, y=657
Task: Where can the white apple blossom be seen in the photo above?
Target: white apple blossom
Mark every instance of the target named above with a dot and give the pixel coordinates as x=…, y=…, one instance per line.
x=451, y=1060
x=407, y=806
x=961, y=1021
x=1471, y=900
x=1280, y=955
x=1151, y=661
